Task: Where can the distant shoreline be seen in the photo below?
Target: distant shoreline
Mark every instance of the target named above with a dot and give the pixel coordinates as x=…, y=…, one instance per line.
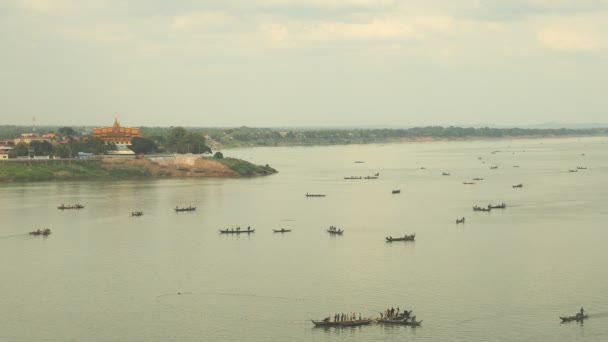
x=416, y=140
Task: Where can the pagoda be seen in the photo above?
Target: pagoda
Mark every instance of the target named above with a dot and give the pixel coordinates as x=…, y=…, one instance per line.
x=117, y=135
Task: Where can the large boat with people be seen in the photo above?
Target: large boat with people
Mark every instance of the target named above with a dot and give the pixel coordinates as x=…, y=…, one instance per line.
x=238, y=230
x=478, y=208
x=327, y=322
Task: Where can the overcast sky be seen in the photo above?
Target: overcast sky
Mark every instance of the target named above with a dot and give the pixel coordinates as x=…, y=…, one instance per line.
x=303, y=62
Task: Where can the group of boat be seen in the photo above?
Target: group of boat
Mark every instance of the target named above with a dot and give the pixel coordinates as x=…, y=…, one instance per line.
x=70, y=206
x=350, y=320
x=402, y=238
x=43, y=232
x=188, y=208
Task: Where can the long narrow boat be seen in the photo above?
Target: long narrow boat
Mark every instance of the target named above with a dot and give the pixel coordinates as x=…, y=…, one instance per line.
x=281, y=230
x=314, y=195
x=577, y=318
x=518, y=185
x=189, y=208
x=328, y=323
x=335, y=232
x=70, y=206
x=476, y=208
x=400, y=321
x=503, y=205
x=43, y=232
x=231, y=231
x=403, y=238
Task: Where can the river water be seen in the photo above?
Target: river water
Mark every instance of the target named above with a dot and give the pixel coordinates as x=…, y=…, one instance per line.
x=502, y=276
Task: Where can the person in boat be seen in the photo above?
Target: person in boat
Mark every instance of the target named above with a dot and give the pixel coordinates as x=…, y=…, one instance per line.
x=414, y=319
x=238, y=229
x=582, y=313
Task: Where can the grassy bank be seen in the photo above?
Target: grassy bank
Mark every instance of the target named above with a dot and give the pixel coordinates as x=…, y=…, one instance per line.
x=74, y=170
x=244, y=168
x=26, y=171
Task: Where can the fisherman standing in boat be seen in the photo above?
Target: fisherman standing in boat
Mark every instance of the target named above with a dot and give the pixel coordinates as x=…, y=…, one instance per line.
x=582, y=313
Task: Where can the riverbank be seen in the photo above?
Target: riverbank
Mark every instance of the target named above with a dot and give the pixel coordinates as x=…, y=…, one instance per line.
x=110, y=168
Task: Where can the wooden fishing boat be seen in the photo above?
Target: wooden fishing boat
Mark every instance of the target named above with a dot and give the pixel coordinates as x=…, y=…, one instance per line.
x=403, y=238
x=43, y=232
x=581, y=168
x=353, y=177
x=189, y=208
x=335, y=231
x=518, y=185
x=282, y=230
x=503, y=205
x=445, y=173
x=328, y=323
x=460, y=220
x=401, y=321
x=468, y=183
x=577, y=317
x=371, y=177
x=494, y=167
x=314, y=195
x=575, y=170
x=476, y=208
x=477, y=179
x=237, y=231
x=70, y=206
x=137, y=213
x=396, y=191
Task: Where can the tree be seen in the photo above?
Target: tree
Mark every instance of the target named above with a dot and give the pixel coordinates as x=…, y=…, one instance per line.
x=143, y=145
x=41, y=148
x=20, y=150
x=218, y=155
x=67, y=131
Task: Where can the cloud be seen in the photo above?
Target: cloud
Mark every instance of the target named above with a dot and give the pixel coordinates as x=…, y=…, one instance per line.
x=568, y=36
x=522, y=8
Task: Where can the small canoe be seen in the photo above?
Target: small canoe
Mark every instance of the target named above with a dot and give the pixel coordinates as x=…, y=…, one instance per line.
x=577, y=318
x=281, y=230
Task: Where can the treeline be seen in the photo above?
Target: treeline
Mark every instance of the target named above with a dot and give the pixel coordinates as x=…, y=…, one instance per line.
x=181, y=140
x=244, y=136
x=69, y=141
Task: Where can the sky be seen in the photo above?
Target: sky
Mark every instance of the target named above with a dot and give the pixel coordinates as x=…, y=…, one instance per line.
x=290, y=63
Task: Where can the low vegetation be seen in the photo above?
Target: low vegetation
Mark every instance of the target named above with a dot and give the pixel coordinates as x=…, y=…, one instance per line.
x=244, y=168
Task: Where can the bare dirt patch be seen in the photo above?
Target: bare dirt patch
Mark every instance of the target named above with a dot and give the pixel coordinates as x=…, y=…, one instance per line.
x=179, y=166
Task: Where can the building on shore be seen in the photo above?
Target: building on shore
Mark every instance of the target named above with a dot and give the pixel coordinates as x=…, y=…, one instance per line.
x=119, y=136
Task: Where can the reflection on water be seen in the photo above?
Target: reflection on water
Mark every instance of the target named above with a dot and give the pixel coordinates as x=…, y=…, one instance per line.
x=505, y=275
